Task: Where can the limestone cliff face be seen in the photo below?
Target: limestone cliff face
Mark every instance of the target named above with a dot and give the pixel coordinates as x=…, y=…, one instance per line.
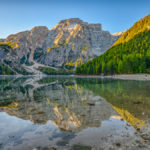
x=75, y=41
x=28, y=41
x=70, y=43
x=9, y=58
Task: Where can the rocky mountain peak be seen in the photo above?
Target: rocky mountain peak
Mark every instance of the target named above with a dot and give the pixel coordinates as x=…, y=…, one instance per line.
x=39, y=29
x=118, y=33
x=74, y=23
x=69, y=44
x=71, y=21
x=68, y=24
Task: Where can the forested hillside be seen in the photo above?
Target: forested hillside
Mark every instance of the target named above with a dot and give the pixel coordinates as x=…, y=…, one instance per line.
x=130, y=54
x=139, y=27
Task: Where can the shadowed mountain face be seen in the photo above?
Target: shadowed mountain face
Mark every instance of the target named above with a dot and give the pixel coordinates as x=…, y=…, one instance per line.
x=65, y=111
x=70, y=43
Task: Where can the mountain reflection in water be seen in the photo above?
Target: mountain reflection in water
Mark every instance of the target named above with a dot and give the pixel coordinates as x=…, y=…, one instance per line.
x=73, y=106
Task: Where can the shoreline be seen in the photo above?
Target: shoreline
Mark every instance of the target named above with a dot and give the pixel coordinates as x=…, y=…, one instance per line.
x=139, y=77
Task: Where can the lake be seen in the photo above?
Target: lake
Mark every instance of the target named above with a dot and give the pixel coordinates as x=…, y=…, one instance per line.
x=74, y=113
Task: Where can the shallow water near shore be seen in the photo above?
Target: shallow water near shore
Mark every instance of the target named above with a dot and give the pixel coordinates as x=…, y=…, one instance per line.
x=43, y=113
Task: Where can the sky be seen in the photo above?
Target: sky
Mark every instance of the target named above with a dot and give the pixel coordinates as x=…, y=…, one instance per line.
x=114, y=15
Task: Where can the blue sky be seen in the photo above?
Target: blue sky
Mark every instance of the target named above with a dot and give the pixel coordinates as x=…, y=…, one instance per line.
x=114, y=15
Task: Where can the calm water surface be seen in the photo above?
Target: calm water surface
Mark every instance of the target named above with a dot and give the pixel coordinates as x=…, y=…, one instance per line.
x=74, y=113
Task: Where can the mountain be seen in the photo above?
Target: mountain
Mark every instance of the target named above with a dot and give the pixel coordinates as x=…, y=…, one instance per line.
x=118, y=33
x=129, y=54
x=69, y=44
x=138, y=28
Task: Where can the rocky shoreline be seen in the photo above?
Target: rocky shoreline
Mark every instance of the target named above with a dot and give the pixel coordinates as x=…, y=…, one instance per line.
x=143, y=77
